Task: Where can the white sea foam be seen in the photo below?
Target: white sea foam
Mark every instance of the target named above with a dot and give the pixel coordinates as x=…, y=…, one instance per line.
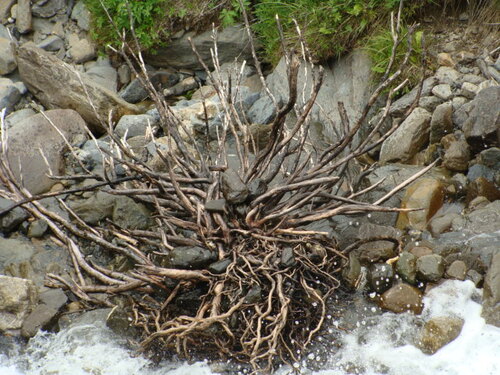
x=382, y=346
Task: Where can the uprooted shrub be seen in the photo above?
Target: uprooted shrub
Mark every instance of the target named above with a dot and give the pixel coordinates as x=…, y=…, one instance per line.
x=257, y=288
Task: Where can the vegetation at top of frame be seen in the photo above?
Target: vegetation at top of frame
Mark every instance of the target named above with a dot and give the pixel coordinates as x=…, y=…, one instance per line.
x=154, y=20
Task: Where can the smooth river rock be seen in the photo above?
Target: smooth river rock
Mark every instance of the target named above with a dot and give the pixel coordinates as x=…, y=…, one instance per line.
x=402, y=298
x=438, y=332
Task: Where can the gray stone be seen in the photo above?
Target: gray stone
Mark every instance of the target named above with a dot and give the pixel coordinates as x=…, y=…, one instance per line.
x=429, y=103
x=447, y=75
x=9, y=95
x=7, y=60
x=182, y=87
x=129, y=214
x=233, y=188
x=441, y=122
x=17, y=299
x=430, y=267
x=473, y=78
x=135, y=92
x=371, y=231
x=457, y=156
x=11, y=220
x=219, y=266
x=352, y=271
x=490, y=157
x=56, y=84
x=232, y=42
x=81, y=15
x=39, y=318
x=262, y=111
x=134, y=125
x=482, y=128
x=406, y=267
x=80, y=50
x=94, y=209
x=14, y=251
x=105, y=75
x=37, y=228
x=469, y=90
x=461, y=115
x=458, y=101
x=48, y=8
x=402, y=298
x=5, y=6
x=408, y=139
x=35, y=133
x=375, y=251
x=438, y=332
x=23, y=16
x=190, y=257
x=216, y=205
x=288, y=258
x=400, y=106
x=53, y=298
x=124, y=75
x=441, y=224
x=457, y=270
x=380, y=277
x=475, y=277
x=491, y=293
x=479, y=170
x=443, y=91
x=52, y=43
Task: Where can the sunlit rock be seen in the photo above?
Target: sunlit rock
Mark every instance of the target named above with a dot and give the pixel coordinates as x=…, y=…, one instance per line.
x=401, y=298
x=438, y=332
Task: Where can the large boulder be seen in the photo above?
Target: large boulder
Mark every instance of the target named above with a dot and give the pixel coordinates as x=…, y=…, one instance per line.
x=346, y=81
x=36, y=133
x=232, y=42
x=58, y=85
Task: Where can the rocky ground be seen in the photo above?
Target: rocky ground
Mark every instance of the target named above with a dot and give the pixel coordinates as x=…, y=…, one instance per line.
x=45, y=56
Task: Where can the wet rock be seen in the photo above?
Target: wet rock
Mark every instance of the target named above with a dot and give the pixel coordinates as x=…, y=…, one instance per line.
x=380, y=277
x=119, y=321
x=491, y=293
x=56, y=84
x=457, y=270
x=352, y=271
x=426, y=194
x=38, y=319
x=420, y=251
x=442, y=91
x=257, y=187
x=35, y=133
x=408, y=139
x=406, y=267
x=254, y=295
x=9, y=95
x=190, y=257
x=129, y=214
x=53, y=298
x=375, y=251
x=134, y=125
x=17, y=298
x=439, y=331
x=10, y=221
x=94, y=209
x=402, y=298
x=430, y=267
x=475, y=277
x=232, y=42
x=484, y=188
x=442, y=224
x=287, y=258
x=233, y=188
x=441, y=122
x=457, y=156
x=216, y=205
x=368, y=230
x=482, y=128
x=219, y=266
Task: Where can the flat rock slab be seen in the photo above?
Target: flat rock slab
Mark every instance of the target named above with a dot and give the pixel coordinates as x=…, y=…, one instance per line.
x=58, y=85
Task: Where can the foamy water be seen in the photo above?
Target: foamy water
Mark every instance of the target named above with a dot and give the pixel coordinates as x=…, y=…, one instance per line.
x=381, y=345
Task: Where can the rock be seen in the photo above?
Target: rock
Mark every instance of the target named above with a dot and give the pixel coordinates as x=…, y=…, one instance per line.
x=17, y=299
x=204, y=92
x=447, y=75
x=473, y=78
x=9, y=95
x=53, y=298
x=233, y=188
x=406, y=267
x=53, y=43
x=477, y=170
x=402, y=298
x=400, y=106
x=23, y=19
x=491, y=157
x=347, y=81
x=219, y=266
x=80, y=50
x=368, y=231
x=457, y=270
x=429, y=103
x=104, y=74
x=441, y=122
x=56, y=84
x=482, y=128
x=430, y=267
x=135, y=91
x=408, y=139
x=216, y=205
x=420, y=251
x=262, y=111
x=375, y=251
x=5, y=6
x=481, y=187
x=288, y=258
x=232, y=42
x=7, y=60
x=39, y=318
x=442, y=224
x=445, y=59
x=186, y=257
x=491, y=293
x=124, y=75
x=11, y=220
x=182, y=87
x=81, y=15
x=14, y=251
x=469, y=90
x=457, y=156
x=426, y=194
x=439, y=331
x=48, y=8
x=94, y=209
x=351, y=272
x=134, y=125
x=443, y=91
x=475, y=277
x=380, y=277
x=34, y=133
x=129, y=214
x=37, y=228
